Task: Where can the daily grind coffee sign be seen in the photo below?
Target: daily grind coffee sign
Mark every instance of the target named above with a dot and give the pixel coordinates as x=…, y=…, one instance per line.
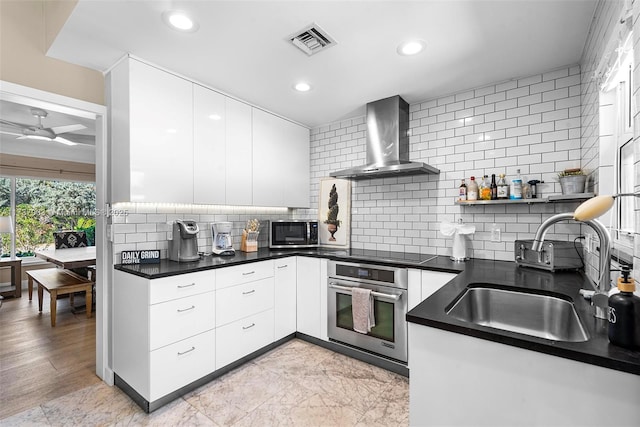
x=141, y=257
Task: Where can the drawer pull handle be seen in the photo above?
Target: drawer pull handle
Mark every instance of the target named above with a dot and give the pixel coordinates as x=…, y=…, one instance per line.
x=248, y=273
x=186, y=286
x=249, y=292
x=187, y=351
x=186, y=309
x=249, y=327
x=283, y=266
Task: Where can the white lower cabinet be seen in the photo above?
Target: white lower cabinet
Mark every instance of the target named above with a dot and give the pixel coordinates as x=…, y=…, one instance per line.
x=163, y=331
x=181, y=363
x=243, y=337
x=309, y=297
x=240, y=301
x=285, y=297
x=433, y=281
x=170, y=319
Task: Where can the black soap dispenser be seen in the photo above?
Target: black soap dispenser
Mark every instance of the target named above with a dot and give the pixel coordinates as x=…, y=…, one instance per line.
x=624, y=314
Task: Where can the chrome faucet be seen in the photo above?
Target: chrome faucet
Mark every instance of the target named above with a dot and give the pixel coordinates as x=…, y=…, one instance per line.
x=601, y=297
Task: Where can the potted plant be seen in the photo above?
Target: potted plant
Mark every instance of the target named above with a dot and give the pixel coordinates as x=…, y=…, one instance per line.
x=572, y=181
x=332, y=215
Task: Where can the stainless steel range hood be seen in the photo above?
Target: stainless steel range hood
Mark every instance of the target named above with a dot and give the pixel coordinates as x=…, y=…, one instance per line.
x=387, y=143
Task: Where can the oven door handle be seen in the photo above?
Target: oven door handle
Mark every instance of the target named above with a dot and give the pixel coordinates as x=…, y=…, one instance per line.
x=374, y=293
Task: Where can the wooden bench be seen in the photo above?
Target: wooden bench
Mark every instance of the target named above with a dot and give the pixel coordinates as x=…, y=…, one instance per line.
x=57, y=281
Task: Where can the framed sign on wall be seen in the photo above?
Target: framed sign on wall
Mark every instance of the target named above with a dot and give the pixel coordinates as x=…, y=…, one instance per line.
x=334, y=212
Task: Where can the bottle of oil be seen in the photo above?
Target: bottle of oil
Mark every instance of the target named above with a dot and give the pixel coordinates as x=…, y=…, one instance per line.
x=485, y=188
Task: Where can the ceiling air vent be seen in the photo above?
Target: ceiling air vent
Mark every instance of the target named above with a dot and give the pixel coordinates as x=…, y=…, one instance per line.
x=311, y=39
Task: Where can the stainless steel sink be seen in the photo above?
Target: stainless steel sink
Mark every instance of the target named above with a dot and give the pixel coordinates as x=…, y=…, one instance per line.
x=539, y=315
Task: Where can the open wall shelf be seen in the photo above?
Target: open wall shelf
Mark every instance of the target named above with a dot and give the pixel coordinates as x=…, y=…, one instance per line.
x=556, y=198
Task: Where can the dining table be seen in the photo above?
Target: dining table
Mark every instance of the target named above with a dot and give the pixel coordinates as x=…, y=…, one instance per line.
x=69, y=258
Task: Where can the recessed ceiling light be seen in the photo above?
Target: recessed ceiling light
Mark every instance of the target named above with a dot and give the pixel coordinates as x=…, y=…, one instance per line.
x=180, y=20
x=411, y=47
x=302, y=87
x=215, y=117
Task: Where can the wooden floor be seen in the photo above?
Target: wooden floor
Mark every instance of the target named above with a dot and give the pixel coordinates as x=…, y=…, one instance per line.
x=39, y=363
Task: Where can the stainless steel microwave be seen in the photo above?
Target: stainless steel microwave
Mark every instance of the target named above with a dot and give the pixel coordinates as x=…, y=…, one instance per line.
x=293, y=234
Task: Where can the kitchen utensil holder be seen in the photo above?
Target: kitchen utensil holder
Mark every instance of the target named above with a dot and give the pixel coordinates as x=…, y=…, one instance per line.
x=249, y=242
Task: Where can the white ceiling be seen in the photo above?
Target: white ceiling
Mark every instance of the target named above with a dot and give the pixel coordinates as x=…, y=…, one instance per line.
x=240, y=48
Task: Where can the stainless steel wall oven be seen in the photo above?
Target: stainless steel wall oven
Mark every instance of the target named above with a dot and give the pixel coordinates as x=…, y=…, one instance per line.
x=389, y=289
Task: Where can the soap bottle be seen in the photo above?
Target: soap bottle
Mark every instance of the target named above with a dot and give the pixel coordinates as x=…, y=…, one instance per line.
x=472, y=189
x=624, y=314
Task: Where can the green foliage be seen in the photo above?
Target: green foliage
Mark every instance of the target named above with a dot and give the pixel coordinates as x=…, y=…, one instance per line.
x=43, y=207
x=88, y=225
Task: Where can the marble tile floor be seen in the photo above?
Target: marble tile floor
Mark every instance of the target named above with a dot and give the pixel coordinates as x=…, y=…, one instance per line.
x=296, y=384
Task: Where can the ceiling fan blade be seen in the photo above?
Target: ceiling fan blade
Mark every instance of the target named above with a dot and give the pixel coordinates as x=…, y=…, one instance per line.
x=68, y=128
x=14, y=124
x=38, y=137
x=10, y=133
x=64, y=141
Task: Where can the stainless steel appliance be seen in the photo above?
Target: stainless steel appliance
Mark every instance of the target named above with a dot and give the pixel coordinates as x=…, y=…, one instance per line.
x=389, y=289
x=222, y=243
x=297, y=233
x=387, y=143
x=554, y=255
x=183, y=245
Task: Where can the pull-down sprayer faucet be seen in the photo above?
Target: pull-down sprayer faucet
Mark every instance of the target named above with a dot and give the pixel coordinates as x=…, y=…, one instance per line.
x=601, y=296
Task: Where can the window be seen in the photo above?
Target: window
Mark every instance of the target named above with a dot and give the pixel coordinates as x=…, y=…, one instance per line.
x=43, y=207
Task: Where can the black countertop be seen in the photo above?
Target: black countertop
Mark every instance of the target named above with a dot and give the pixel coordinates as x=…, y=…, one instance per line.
x=596, y=351
x=171, y=268
x=431, y=312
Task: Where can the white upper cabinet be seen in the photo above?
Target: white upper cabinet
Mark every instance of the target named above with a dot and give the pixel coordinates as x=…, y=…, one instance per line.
x=209, y=146
x=239, y=162
x=151, y=134
x=280, y=162
x=175, y=141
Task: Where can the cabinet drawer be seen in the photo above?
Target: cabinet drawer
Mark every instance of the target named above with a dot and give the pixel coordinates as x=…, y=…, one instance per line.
x=181, y=318
x=182, y=285
x=238, y=302
x=179, y=364
x=237, y=339
x=230, y=276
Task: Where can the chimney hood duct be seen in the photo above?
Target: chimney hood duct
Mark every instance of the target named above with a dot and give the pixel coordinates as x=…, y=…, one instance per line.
x=387, y=143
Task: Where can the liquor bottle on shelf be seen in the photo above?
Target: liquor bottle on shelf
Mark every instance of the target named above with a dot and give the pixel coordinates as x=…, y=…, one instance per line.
x=472, y=189
x=494, y=187
x=462, y=195
x=503, y=188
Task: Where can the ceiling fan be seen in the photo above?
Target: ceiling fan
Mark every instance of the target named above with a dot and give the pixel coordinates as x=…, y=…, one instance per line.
x=39, y=131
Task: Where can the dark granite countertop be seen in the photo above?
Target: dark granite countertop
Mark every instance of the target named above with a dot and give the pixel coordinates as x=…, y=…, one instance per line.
x=597, y=350
x=431, y=312
x=171, y=268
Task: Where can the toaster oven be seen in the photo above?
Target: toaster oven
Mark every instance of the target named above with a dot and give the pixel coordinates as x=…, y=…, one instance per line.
x=555, y=255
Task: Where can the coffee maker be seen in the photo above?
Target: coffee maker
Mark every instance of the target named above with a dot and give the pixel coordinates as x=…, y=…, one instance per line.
x=183, y=245
x=221, y=232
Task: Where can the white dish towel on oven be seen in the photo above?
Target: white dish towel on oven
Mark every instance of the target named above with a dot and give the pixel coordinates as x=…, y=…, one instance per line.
x=362, y=310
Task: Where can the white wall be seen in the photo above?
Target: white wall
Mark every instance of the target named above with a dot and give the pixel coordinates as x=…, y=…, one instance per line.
x=531, y=124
